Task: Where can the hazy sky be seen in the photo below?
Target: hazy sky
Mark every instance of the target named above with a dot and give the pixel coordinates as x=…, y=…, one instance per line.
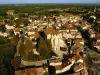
x=48, y=1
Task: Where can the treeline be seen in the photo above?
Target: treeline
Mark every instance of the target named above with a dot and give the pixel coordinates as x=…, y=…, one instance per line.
x=32, y=8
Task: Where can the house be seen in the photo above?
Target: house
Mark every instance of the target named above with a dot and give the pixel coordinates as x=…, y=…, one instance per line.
x=35, y=52
x=17, y=31
x=78, y=59
x=78, y=37
x=16, y=18
x=65, y=65
x=82, y=72
x=97, y=36
x=30, y=20
x=61, y=66
x=10, y=12
x=98, y=21
x=78, y=68
x=30, y=32
x=9, y=27
x=20, y=72
x=4, y=34
x=34, y=71
x=55, y=37
x=21, y=25
x=34, y=35
x=73, y=29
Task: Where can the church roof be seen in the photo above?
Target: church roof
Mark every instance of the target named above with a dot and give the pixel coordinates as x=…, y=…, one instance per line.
x=50, y=30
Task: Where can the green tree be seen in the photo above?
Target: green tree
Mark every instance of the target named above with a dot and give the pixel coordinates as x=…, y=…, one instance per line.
x=2, y=12
x=43, y=49
x=18, y=22
x=1, y=18
x=2, y=28
x=21, y=49
x=11, y=32
x=11, y=23
x=7, y=52
x=28, y=45
x=49, y=45
x=26, y=22
x=14, y=39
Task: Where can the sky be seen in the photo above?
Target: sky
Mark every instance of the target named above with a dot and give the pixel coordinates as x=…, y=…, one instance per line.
x=48, y=1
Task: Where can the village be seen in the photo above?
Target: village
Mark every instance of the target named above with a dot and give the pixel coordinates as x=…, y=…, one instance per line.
x=49, y=45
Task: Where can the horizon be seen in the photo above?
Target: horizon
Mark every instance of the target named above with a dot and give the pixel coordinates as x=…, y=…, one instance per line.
x=50, y=2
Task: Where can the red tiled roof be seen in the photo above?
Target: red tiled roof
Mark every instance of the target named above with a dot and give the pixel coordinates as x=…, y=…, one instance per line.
x=29, y=71
x=36, y=35
x=77, y=57
x=73, y=28
x=17, y=30
x=32, y=35
x=76, y=52
x=35, y=71
x=97, y=36
x=98, y=20
x=78, y=67
x=76, y=15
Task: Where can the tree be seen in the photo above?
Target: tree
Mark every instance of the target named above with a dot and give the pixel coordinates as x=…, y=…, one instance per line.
x=49, y=45
x=2, y=12
x=14, y=39
x=18, y=22
x=7, y=52
x=26, y=22
x=1, y=18
x=43, y=35
x=2, y=28
x=11, y=32
x=21, y=48
x=11, y=23
x=28, y=45
x=43, y=49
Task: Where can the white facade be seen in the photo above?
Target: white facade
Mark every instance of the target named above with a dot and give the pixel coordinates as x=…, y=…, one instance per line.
x=56, y=41
x=30, y=20
x=30, y=33
x=4, y=34
x=98, y=40
x=9, y=27
x=16, y=32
